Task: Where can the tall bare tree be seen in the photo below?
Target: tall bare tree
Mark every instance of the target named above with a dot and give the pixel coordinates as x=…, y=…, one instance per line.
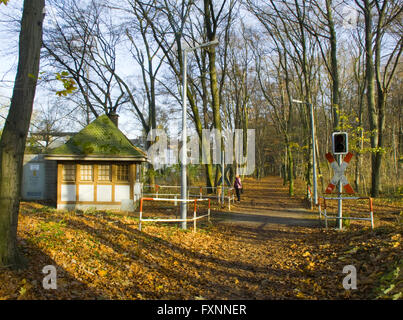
x=12, y=143
x=378, y=17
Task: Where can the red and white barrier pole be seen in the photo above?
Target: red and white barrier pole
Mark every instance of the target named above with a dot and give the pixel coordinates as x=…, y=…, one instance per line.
x=229, y=200
x=208, y=210
x=194, y=216
x=371, y=212
x=141, y=213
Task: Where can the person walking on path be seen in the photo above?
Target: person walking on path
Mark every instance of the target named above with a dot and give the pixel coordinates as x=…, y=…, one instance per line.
x=238, y=187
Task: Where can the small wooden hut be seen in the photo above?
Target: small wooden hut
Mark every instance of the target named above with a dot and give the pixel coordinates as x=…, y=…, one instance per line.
x=98, y=168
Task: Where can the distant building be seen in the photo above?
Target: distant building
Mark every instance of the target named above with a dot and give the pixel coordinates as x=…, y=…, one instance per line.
x=97, y=168
x=139, y=142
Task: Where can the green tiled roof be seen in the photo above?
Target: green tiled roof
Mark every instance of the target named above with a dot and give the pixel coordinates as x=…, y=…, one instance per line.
x=100, y=138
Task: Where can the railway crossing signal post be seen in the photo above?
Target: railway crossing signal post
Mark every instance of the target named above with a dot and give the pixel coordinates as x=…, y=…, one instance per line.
x=339, y=148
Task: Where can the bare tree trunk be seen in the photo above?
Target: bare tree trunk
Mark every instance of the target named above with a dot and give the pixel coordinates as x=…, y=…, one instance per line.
x=290, y=171
x=211, y=23
x=12, y=144
x=209, y=166
x=376, y=110
x=370, y=80
x=333, y=64
x=360, y=142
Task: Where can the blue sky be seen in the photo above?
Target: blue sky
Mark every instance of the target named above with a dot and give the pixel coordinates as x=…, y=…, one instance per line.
x=9, y=60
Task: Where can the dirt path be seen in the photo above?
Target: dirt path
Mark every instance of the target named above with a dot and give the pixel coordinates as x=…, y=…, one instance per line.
x=266, y=204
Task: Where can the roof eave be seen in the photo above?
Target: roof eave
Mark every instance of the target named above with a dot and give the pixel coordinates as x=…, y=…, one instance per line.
x=94, y=158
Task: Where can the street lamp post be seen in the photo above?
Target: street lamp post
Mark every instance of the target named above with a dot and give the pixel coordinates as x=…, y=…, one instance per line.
x=315, y=186
x=184, y=131
x=223, y=170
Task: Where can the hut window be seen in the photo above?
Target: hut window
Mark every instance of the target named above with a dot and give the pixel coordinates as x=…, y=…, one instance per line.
x=122, y=172
x=104, y=172
x=69, y=172
x=86, y=172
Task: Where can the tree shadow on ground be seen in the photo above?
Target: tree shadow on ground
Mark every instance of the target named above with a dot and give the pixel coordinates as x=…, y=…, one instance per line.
x=197, y=271
x=27, y=283
x=284, y=218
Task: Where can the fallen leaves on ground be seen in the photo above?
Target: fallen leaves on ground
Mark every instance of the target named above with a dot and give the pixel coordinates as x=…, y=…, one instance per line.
x=104, y=256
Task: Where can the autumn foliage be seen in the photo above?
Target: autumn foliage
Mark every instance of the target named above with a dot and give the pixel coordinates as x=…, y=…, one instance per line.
x=100, y=255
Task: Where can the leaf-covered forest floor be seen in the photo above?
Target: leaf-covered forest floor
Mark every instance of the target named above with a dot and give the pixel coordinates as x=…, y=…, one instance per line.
x=100, y=255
